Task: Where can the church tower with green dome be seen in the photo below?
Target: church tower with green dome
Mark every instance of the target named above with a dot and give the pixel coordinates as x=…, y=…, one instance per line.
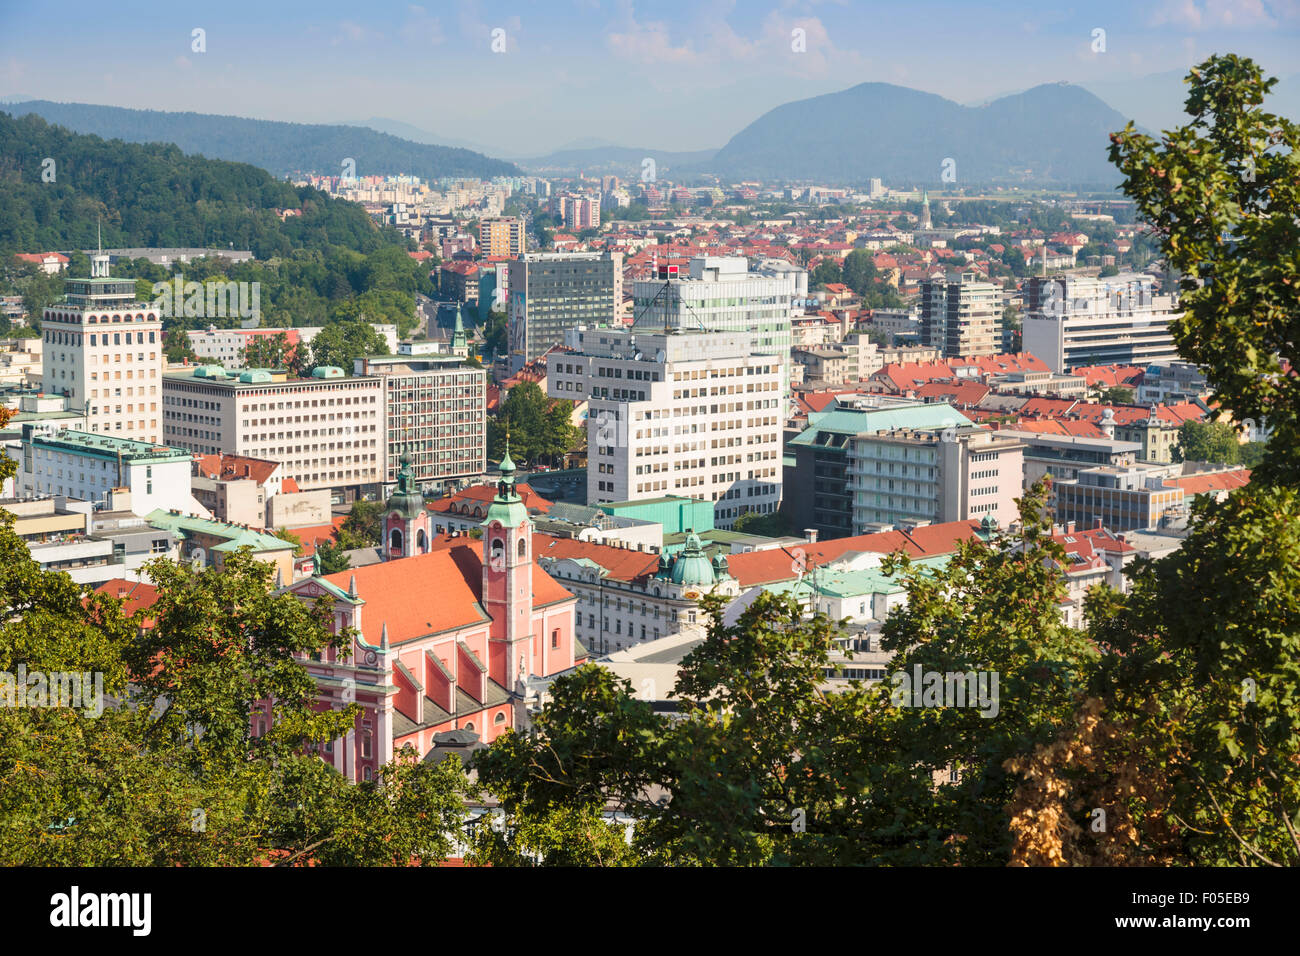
x=508, y=576
x=407, y=522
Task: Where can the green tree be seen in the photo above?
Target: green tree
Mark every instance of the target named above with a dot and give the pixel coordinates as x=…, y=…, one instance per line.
x=1118, y=395
x=1207, y=441
x=539, y=427
x=341, y=343
x=1223, y=195
x=274, y=351
x=331, y=558
x=363, y=527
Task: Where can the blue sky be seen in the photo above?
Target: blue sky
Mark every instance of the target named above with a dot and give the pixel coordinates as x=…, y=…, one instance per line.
x=671, y=75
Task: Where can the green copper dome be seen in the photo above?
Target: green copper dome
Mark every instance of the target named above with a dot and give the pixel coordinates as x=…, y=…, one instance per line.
x=692, y=567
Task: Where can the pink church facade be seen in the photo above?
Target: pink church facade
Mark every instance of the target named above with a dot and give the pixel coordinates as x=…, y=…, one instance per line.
x=448, y=632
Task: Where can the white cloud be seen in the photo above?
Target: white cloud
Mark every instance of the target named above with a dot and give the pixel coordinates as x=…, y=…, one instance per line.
x=1215, y=14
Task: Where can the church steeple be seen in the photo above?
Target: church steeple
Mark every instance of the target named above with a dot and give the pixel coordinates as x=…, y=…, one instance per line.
x=459, y=341
x=406, y=520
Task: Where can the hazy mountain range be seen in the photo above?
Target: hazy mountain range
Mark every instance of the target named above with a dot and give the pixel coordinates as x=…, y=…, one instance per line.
x=1054, y=134
x=282, y=149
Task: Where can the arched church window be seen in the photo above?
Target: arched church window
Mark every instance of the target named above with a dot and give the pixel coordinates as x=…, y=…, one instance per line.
x=523, y=548
x=395, y=540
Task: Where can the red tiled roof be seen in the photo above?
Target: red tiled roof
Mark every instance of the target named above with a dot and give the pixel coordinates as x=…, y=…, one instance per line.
x=781, y=564
x=1219, y=481
x=313, y=535
x=621, y=564
x=484, y=494
x=135, y=595
x=434, y=592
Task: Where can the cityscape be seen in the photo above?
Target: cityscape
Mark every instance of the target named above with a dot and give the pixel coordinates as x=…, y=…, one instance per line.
x=739, y=435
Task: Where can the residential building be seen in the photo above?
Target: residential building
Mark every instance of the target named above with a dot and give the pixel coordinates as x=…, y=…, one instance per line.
x=906, y=476
x=435, y=414
x=552, y=292
x=817, y=459
x=1072, y=321
x=628, y=597
x=206, y=543
x=1155, y=437
x=327, y=430
x=1064, y=456
x=1167, y=382
x=501, y=236
x=21, y=361
x=89, y=546
x=1122, y=498
x=103, y=352
x=960, y=315
x=678, y=412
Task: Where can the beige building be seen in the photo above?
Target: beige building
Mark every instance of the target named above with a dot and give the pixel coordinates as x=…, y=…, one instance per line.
x=960, y=315
x=327, y=430
x=501, y=236
x=103, y=352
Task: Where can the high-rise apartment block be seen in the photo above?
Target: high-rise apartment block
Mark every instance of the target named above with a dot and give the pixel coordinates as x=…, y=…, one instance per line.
x=103, y=353
x=435, y=416
x=1070, y=321
x=551, y=292
x=960, y=315
x=696, y=414
x=578, y=212
x=721, y=293
x=501, y=236
x=327, y=430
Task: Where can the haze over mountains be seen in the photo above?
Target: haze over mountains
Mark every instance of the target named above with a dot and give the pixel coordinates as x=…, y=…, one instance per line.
x=1054, y=134
x=282, y=149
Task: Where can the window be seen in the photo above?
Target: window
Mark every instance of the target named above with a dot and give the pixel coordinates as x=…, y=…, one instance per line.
x=555, y=638
x=499, y=719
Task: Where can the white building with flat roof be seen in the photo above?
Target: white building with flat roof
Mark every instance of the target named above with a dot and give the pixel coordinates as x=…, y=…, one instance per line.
x=327, y=430
x=1073, y=321
x=697, y=414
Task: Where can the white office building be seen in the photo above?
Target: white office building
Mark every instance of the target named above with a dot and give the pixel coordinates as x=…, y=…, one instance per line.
x=103, y=353
x=721, y=293
x=1072, y=321
x=697, y=414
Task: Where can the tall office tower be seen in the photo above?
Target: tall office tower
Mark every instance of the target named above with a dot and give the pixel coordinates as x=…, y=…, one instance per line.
x=501, y=236
x=1071, y=321
x=554, y=291
x=103, y=352
x=721, y=293
x=960, y=315
x=697, y=414
x=434, y=413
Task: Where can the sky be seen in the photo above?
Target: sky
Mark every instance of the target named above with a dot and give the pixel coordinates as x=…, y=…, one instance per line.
x=524, y=78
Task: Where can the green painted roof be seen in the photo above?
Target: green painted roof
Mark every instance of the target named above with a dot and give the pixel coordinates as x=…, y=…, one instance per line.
x=851, y=421
x=236, y=536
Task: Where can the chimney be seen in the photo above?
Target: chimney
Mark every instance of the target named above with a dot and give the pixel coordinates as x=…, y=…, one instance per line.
x=1069, y=527
x=810, y=534
x=1096, y=522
